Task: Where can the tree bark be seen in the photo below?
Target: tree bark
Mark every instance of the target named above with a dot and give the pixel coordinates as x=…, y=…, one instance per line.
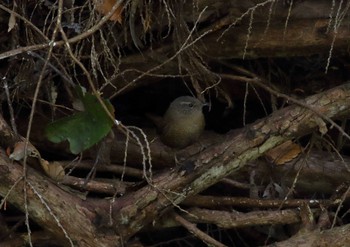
x=171, y=188
x=226, y=30
x=336, y=237
x=132, y=212
x=70, y=219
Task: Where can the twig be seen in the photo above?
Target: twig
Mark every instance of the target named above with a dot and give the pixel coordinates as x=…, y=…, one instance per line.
x=31, y=116
x=259, y=82
x=74, y=39
x=196, y=232
x=51, y=213
x=12, y=114
x=223, y=201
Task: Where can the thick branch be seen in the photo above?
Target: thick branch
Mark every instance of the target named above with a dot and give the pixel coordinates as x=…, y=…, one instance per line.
x=308, y=31
x=234, y=219
x=336, y=237
x=218, y=161
x=74, y=215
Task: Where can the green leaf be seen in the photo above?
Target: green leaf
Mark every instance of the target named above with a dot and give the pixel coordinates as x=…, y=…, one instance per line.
x=83, y=129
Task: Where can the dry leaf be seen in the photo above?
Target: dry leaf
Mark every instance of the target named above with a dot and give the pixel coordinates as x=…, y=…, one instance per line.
x=54, y=94
x=78, y=105
x=12, y=22
x=273, y=191
x=53, y=170
x=104, y=6
x=18, y=151
x=322, y=127
x=283, y=153
x=8, y=151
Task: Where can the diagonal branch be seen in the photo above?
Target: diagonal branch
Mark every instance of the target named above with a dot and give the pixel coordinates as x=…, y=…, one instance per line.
x=136, y=210
x=83, y=220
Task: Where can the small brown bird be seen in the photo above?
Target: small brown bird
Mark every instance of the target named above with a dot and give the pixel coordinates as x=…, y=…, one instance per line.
x=182, y=123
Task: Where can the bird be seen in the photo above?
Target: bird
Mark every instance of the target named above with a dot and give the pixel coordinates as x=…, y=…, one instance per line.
x=182, y=123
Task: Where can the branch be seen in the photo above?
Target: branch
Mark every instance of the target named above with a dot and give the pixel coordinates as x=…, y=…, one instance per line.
x=230, y=155
x=336, y=237
x=65, y=215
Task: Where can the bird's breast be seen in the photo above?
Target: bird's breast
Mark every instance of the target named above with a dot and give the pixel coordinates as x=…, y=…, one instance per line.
x=181, y=133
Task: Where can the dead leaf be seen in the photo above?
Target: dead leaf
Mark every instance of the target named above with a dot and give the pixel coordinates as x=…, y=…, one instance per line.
x=54, y=94
x=8, y=151
x=322, y=126
x=12, y=22
x=104, y=6
x=18, y=151
x=78, y=105
x=283, y=153
x=53, y=170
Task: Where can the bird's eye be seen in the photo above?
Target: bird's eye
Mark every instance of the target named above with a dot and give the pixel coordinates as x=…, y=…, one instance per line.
x=190, y=105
